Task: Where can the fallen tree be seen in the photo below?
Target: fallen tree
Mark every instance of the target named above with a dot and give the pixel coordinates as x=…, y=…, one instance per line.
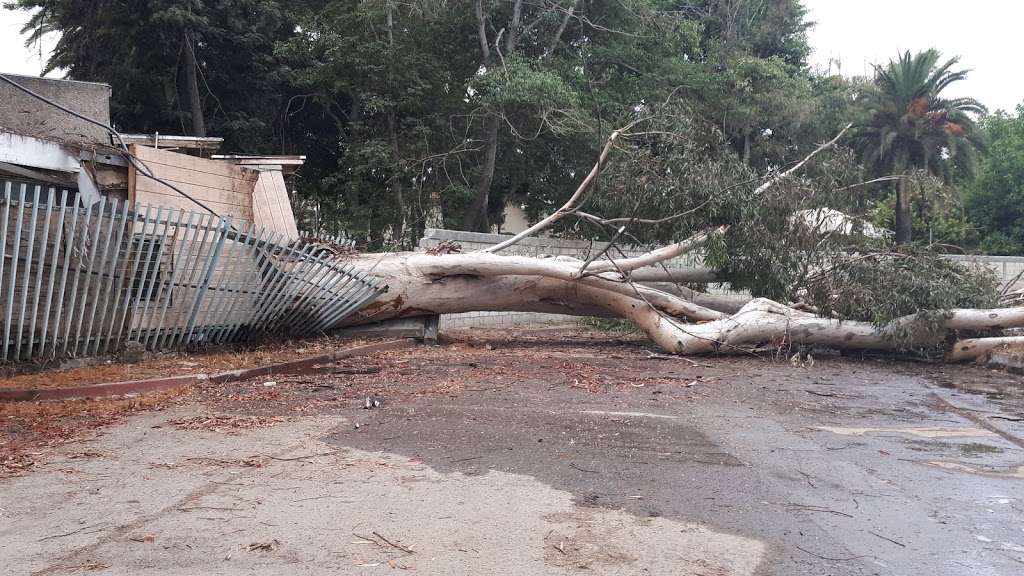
x=845, y=294
x=422, y=284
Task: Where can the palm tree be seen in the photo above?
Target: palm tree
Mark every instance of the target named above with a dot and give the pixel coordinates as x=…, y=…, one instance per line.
x=911, y=127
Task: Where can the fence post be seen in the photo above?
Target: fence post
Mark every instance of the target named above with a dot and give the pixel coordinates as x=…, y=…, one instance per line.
x=207, y=274
x=54, y=264
x=79, y=345
x=14, y=270
x=39, y=273
x=3, y=256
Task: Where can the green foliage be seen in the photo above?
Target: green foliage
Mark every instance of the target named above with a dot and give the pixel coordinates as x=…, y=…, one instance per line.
x=524, y=84
x=395, y=106
x=617, y=325
x=883, y=286
x=912, y=127
x=995, y=198
x=766, y=29
x=800, y=240
x=390, y=102
x=136, y=46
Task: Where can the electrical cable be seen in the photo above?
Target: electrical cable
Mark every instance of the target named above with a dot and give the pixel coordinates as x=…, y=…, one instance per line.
x=135, y=162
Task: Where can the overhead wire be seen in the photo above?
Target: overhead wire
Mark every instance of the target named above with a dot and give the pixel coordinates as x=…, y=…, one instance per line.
x=132, y=159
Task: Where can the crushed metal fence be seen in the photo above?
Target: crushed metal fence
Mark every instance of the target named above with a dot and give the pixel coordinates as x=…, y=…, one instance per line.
x=83, y=280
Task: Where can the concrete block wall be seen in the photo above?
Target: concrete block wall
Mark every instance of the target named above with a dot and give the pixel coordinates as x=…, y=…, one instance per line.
x=1009, y=269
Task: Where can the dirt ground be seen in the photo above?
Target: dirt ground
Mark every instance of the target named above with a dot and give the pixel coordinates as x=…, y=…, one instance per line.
x=170, y=364
x=566, y=452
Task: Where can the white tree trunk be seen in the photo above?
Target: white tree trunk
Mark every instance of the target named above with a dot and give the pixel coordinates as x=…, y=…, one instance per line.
x=975, y=348
x=423, y=284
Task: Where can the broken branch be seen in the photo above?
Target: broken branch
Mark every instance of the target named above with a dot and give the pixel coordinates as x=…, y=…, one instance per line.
x=574, y=201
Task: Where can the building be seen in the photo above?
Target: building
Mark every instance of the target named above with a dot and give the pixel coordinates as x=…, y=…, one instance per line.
x=156, y=239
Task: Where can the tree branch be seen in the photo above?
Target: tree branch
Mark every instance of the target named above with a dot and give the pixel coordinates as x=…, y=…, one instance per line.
x=481, y=19
x=577, y=198
x=561, y=28
x=489, y=265
x=785, y=174
x=661, y=254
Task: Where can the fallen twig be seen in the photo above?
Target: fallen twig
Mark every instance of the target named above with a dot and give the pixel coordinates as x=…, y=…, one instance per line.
x=370, y=370
x=900, y=544
x=297, y=457
x=829, y=558
x=825, y=394
x=70, y=533
x=393, y=545
x=321, y=498
x=573, y=465
x=815, y=508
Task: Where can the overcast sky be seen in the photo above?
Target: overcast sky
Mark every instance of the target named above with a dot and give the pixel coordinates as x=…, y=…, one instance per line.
x=982, y=32
x=854, y=32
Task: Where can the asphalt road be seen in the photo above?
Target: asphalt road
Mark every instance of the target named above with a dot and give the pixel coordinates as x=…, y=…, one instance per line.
x=547, y=456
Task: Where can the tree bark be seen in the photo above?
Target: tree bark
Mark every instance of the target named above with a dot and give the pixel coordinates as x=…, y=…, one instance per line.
x=556, y=38
x=903, y=216
x=475, y=219
x=975, y=348
x=423, y=284
x=679, y=320
x=397, y=182
x=195, y=102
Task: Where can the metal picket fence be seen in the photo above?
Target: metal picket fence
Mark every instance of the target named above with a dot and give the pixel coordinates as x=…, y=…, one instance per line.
x=83, y=280
x=341, y=241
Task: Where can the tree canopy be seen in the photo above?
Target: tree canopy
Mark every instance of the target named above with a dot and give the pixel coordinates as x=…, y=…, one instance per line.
x=911, y=126
x=443, y=112
x=995, y=198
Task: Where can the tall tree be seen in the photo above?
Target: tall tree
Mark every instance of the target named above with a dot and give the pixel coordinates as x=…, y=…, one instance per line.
x=512, y=112
x=440, y=112
x=176, y=66
x=911, y=126
x=762, y=28
x=995, y=197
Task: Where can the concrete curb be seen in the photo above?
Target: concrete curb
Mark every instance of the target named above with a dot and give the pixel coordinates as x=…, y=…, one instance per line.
x=113, y=389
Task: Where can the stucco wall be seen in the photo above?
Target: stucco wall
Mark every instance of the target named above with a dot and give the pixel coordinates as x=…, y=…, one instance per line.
x=24, y=114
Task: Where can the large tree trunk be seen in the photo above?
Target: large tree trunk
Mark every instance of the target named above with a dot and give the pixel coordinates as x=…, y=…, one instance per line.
x=397, y=182
x=475, y=219
x=195, y=101
x=424, y=284
x=903, y=215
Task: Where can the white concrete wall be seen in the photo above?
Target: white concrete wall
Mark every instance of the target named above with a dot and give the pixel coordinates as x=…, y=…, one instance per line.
x=1007, y=268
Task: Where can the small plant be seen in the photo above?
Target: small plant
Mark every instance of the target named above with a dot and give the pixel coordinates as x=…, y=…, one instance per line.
x=607, y=324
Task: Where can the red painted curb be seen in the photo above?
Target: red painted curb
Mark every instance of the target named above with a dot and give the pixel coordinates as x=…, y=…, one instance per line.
x=304, y=364
x=101, y=390
x=110, y=389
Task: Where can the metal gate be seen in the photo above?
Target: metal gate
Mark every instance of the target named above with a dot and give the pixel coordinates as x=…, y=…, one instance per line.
x=83, y=280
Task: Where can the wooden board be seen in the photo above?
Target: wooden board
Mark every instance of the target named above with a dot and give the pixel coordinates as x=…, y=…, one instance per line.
x=224, y=188
x=271, y=208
